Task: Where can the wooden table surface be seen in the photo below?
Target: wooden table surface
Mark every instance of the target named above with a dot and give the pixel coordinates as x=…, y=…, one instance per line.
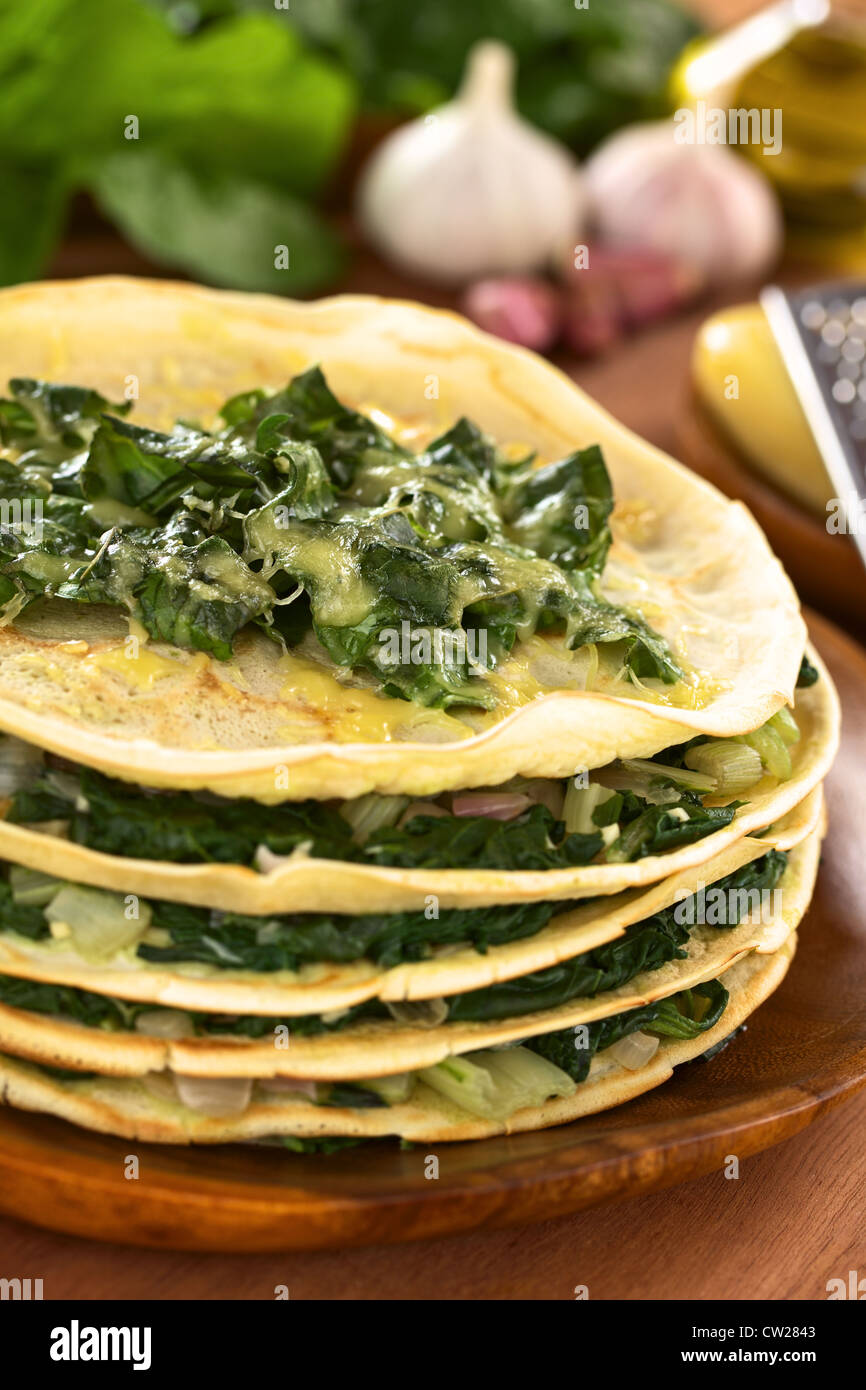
x=794, y=1219
x=796, y=1216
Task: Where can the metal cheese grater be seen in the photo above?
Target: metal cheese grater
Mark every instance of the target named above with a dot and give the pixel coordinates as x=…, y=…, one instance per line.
x=821, y=334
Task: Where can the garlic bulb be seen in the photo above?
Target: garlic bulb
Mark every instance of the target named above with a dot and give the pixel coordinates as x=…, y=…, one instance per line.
x=698, y=203
x=471, y=189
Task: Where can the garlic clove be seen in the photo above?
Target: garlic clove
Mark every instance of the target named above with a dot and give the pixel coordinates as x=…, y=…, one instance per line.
x=471, y=189
x=700, y=204
x=517, y=308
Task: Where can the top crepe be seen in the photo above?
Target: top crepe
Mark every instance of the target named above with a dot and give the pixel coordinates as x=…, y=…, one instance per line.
x=275, y=727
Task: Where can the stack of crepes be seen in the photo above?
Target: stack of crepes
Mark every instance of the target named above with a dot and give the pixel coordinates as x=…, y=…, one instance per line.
x=286, y=862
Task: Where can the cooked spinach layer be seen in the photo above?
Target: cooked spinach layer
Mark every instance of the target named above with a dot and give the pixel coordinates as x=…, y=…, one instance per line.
x=187, y=827
x=683, y=1015
x=301, y=515
x=645, y=945
x=240, y=942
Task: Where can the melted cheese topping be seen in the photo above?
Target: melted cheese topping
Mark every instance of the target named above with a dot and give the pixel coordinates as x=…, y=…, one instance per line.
x=353, y=715
x=144, y=668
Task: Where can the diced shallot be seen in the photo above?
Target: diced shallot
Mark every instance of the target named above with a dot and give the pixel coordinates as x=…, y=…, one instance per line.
x=209, y=1095
x=20, y=765
x=547, y=793
x=164, y=1023
x=635, y=1050
x=521, y=309
x=160, y=1084
x=266, y=861
x=492, y=804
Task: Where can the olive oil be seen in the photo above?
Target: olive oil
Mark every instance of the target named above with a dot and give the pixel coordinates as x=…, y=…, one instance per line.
x=807, y=60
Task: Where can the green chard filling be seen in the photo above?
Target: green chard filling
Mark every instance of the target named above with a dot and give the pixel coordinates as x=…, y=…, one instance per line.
x=99, y=924
x=625, y=812
x=646, y=945
x=496, y=1082
x=302, y=516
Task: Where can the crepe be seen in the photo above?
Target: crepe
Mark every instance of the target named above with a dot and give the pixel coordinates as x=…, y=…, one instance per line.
x=322, y=987
x=273, y=727
x=126, y=1107
x=378, y=1048
x=302, y=883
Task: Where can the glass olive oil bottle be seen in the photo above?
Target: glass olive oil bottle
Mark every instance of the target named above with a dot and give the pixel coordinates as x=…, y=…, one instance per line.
x=807, y=60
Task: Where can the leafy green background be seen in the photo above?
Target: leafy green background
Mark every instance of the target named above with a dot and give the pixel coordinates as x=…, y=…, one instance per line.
x=244, y=111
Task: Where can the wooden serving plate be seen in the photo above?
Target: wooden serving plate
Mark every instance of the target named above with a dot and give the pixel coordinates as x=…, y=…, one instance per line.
x=804, y=1050
x=826, y=569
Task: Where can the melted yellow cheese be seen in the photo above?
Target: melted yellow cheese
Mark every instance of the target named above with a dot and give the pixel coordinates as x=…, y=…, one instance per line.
x=351, y=715
x=412, y=434
x=143, y=669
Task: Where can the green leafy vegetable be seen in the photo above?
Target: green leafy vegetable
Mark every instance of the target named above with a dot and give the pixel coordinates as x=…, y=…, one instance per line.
x=683, y=1015
x=47, y=422
x=186, y=827
x=808, y=674
x=658, y=829
x=533, y=841
x=67, y=1002
x=242, y=122
x=582, y=72
x=223, y=227
x=302, y=515
x=181, y=827
x=285, y=943
x=645, y=945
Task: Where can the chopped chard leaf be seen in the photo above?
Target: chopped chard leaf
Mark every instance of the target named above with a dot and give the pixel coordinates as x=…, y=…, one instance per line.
x=199, y=534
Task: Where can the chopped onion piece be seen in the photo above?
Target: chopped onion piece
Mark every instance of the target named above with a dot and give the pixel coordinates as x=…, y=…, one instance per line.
x=164, y=1023
x=58, y=829
x=20, y=764
x=66, y=784
x=494, y=1085
x=214, y=1095
x=30, y=887
x=100, y=923
x=545, y=792
x=466, y=1084
x=394, y=1089
x=525, y=1078
x=618, y=778
x=266, y=861
x=420, y=1013
x=634, y=1051
x=160, y=1084
x=492, y=804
